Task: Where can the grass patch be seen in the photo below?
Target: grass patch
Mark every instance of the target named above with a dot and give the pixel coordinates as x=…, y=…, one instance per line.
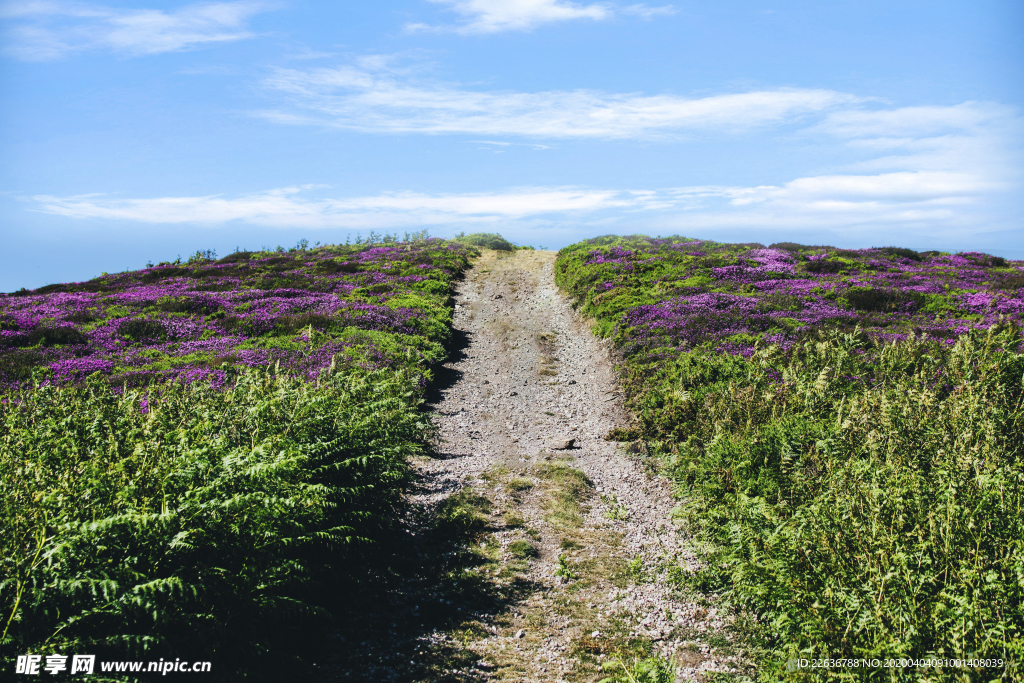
x=633, y=572
x=514, y=520
x=464, y=514
x=568, y=490
x=613, y=639
x=519, y=485
x=640, y=670
x=523, y=550
x=494, y=473
x=546, y=343
x=616, y=510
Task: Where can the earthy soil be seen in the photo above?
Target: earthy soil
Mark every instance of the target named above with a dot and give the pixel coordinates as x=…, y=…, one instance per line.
x=535, y=550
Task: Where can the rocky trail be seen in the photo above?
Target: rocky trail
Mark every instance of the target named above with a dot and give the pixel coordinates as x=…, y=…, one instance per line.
x=535, y=550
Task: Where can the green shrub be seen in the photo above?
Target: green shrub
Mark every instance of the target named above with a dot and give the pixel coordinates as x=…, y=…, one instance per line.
x=901, y=252
x=192, y=522
x=487, y=240
x=864, y=496
x=862, y=519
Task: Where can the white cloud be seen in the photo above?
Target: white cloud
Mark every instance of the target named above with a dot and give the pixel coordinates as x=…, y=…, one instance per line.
x=902, y=200
x=897, y=188
x=503, y=143
x=375, y=98
x=945, y=171
x=918, y=171
x=492, y=16
x=917, y=121
x=885, y=199
x=942, y=168
x=980, y=138
x=288, y=207
x=43, y=31
x=648, y=12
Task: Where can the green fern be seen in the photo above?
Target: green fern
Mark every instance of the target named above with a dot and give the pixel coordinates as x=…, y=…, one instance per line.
x=203, y=526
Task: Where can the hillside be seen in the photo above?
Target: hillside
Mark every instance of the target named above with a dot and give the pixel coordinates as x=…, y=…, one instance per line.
x=368, y=305
x=398, y=461
x=844, y=429
x=199, y=460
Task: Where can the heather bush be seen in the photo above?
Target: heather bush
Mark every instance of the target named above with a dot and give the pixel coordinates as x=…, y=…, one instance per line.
x=848, y=442
x=302, y=309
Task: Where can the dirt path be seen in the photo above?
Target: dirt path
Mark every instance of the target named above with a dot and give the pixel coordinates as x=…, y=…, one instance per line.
x=533, y=561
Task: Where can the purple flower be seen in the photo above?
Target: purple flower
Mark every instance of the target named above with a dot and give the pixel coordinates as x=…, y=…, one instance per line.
x=185, y=322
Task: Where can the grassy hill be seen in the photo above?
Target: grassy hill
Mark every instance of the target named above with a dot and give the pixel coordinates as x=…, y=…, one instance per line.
x=846, y=431
x=197, y=457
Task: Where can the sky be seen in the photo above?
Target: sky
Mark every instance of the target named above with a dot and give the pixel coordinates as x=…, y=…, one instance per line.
x=140, y=131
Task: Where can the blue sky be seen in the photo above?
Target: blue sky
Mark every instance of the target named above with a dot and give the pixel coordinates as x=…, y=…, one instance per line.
x=136, y=131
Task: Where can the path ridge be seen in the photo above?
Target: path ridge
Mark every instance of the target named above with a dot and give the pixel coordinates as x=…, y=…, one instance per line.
x=581, y=540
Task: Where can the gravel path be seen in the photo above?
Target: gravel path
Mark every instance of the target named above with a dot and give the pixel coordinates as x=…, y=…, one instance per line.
x=573, y=549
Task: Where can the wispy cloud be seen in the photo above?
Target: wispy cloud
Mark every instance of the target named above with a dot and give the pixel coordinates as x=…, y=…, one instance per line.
x=926, y=199
x=292, y=207
x=373, y=97
x=927, y=174
x=491, y=16
x=648, y=12
x=44, y=31
x=931, y=201
x=504, y=143
x=982, y=138
x=928, y=169
x=494, y=16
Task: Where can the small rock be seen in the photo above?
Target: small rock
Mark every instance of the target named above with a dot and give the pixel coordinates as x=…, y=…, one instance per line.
x=561, y=444
x=595, y=634
x=520, y=633
x=513, y=393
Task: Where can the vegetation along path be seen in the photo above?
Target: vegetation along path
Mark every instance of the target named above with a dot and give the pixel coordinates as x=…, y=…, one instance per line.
x=536, y=550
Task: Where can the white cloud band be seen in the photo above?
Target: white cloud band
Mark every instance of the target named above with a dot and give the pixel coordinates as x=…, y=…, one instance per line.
x=43, y=31
x=373, y=98
x=493, y=16
x=888, y=199
x=288, y=207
